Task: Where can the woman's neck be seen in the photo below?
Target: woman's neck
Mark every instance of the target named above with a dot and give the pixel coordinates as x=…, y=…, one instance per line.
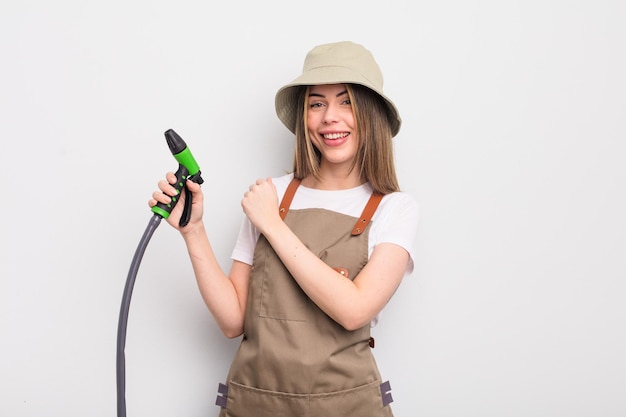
x=333, y=181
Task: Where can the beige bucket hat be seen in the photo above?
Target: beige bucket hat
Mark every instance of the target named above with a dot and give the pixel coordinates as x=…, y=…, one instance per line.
x=335, y=63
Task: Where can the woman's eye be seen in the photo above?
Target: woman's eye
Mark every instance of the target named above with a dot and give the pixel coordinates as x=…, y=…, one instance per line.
x=346, y=102
x=315, y=105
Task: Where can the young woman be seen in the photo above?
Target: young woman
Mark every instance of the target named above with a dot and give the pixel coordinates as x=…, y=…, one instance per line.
x=320, y=252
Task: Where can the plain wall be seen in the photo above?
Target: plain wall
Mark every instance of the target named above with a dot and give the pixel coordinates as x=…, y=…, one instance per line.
x=513, y=143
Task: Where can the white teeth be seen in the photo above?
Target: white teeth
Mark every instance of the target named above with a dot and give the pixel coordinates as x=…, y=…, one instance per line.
x=335, y=135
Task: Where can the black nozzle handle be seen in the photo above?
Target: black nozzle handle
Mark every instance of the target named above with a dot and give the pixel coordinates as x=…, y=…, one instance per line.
x=164, y=210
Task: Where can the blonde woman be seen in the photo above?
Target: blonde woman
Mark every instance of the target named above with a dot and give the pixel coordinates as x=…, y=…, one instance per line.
x=320, y=252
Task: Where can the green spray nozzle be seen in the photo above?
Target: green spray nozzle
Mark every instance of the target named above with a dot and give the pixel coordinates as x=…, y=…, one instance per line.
x=181, y=152
x=187, y=169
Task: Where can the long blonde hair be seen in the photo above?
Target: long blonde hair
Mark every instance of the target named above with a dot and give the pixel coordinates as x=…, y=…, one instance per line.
x=374, y=158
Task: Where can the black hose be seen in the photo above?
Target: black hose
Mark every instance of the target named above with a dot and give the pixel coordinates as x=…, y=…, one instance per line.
x=123, y=320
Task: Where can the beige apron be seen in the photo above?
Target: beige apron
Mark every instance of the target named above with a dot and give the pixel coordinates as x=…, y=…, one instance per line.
x=294, y=360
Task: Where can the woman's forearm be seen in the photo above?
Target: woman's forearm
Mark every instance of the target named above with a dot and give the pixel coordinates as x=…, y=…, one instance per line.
x=221, y=293
x=352, y=303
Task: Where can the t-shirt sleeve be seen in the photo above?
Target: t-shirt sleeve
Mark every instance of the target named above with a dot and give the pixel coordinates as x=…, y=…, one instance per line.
x=398, y=223
x=246, y=241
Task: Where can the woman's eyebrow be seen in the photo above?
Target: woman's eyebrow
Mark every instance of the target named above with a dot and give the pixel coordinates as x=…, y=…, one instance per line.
x=321, y=95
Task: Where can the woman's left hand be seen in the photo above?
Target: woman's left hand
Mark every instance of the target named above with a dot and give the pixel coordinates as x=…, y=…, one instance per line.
x=260, y=204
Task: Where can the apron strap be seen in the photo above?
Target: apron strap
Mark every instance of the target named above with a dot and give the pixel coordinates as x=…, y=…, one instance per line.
x=368, y=213
x=361, y=224
x=289, y=193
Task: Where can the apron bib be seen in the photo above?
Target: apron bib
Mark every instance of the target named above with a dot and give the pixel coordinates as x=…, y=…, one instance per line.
x=294, y=360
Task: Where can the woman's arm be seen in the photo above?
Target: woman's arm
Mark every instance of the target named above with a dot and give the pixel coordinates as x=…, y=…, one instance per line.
x=351, y=303
x=224, y=295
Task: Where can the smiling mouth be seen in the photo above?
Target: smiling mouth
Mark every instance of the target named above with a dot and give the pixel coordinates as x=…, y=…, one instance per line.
x=333, y=136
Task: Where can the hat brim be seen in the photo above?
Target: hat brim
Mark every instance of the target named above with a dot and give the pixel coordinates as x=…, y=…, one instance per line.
x=286, y=97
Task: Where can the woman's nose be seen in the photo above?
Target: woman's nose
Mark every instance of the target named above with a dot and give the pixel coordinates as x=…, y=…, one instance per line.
x=330, y=115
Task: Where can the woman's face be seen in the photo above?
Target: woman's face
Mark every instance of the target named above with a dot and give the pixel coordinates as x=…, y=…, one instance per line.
x=331, y=123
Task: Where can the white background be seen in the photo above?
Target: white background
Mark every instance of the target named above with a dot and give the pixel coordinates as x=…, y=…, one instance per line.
x=513, y=142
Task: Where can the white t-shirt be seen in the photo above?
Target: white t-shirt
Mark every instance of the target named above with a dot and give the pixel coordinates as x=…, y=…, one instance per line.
x=395, y=220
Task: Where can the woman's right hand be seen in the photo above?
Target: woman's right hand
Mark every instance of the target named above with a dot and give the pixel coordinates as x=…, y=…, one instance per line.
x=164, y=196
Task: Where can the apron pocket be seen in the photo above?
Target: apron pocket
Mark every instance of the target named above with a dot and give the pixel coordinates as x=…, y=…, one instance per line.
x=363, y=401
x=281, y=296
x=244, y=401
